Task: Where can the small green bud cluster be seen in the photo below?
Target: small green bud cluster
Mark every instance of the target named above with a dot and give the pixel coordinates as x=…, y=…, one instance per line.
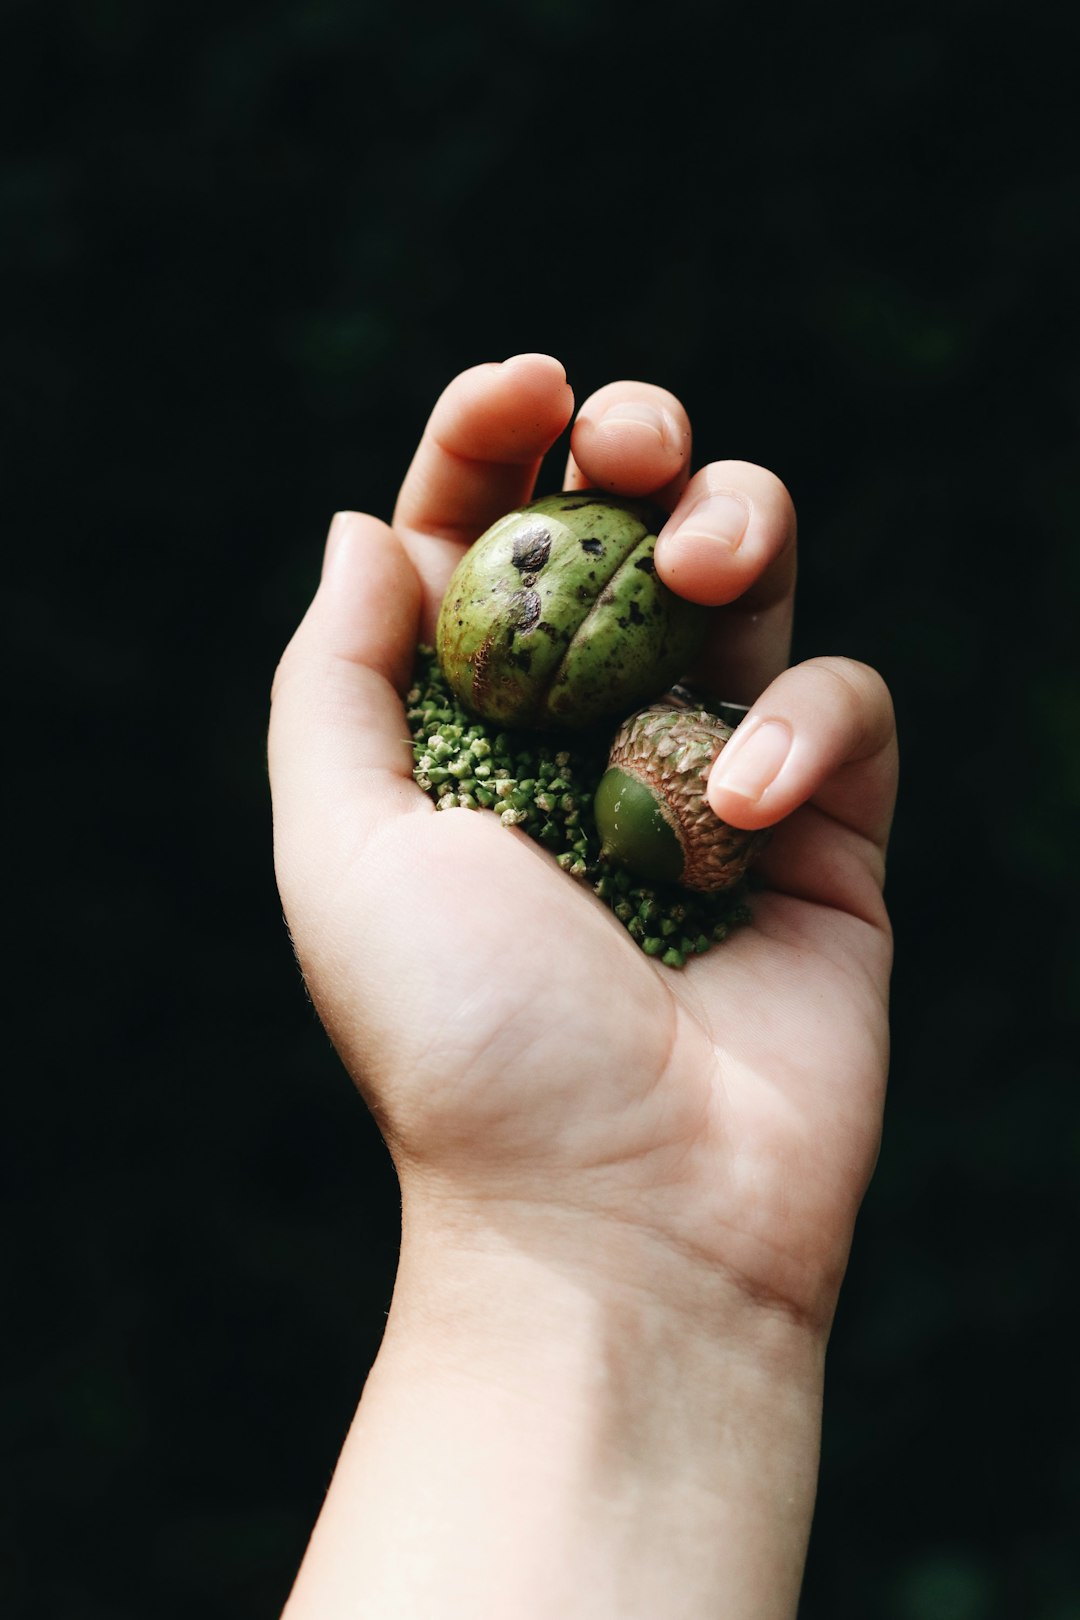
x=527, y=783
x=545, y=784
x=667, y=923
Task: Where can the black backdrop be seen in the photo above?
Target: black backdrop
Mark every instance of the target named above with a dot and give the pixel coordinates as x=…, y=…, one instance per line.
x=243, y=246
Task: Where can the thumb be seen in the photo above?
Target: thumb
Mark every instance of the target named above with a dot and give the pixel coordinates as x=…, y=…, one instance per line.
x=818, y=748
x=339, y=755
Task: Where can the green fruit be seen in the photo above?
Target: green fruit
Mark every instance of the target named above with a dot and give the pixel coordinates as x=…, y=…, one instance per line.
x=556, y=618
x=650, y=807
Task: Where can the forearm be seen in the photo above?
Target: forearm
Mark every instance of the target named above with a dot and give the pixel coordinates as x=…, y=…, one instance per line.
x=536, y=1442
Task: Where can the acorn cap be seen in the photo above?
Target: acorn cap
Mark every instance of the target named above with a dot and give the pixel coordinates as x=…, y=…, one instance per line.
x=650, y=807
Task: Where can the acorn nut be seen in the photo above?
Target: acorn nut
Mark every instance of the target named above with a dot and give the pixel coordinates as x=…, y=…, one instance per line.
x=650, y=807
x=556, y=618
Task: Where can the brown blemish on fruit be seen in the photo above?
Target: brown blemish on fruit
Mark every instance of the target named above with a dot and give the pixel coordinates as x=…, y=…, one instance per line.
x=531, y=548
x=525, y=611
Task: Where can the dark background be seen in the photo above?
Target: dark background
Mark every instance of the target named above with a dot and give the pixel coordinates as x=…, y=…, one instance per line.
x=243, y=247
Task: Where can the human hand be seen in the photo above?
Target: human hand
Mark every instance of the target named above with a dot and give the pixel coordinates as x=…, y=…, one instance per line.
x=516, y=1047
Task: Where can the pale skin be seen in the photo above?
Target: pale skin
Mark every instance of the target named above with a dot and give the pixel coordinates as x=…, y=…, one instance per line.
x=628, y=1192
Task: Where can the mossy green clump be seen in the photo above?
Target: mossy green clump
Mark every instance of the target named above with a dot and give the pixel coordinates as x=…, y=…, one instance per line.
x=545, y=784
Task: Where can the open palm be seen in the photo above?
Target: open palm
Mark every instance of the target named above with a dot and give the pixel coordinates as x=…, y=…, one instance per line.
x=519, y=1051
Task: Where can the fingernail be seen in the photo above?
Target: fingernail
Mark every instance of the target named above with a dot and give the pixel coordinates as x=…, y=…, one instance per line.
x=753, y=759
x=633, y=410
x=720, y=519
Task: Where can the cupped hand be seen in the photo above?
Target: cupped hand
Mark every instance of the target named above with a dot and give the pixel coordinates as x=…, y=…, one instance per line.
x=532, y=1071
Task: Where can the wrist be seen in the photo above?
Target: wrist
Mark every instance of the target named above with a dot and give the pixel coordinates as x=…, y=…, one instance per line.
x=563, y=1438
x=505, y=1281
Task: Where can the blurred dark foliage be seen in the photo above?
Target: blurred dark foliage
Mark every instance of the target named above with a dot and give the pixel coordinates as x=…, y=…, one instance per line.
x=242, y=248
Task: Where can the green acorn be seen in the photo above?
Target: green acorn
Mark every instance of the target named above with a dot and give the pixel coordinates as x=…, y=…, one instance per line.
x=650, y=807
x=556, y=619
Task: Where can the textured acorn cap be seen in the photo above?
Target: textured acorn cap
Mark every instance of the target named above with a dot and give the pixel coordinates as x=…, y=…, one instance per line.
x=651, y=809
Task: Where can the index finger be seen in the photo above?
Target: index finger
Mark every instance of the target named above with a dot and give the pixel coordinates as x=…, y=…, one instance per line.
x=478, y=458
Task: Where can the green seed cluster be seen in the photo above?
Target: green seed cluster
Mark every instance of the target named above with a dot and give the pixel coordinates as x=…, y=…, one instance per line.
x=545, y=786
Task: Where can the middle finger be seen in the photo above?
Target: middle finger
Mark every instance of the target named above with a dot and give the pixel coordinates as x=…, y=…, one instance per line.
x=631, y=438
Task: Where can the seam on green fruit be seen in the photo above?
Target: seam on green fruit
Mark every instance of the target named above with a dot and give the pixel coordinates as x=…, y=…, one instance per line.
x=555, y=616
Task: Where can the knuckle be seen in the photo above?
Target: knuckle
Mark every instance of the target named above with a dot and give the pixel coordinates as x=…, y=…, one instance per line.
x=861, y=695
x=846, y=679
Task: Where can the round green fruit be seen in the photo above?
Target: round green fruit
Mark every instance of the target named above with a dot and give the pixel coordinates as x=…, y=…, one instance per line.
x=556, y=618
x=650, y=807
